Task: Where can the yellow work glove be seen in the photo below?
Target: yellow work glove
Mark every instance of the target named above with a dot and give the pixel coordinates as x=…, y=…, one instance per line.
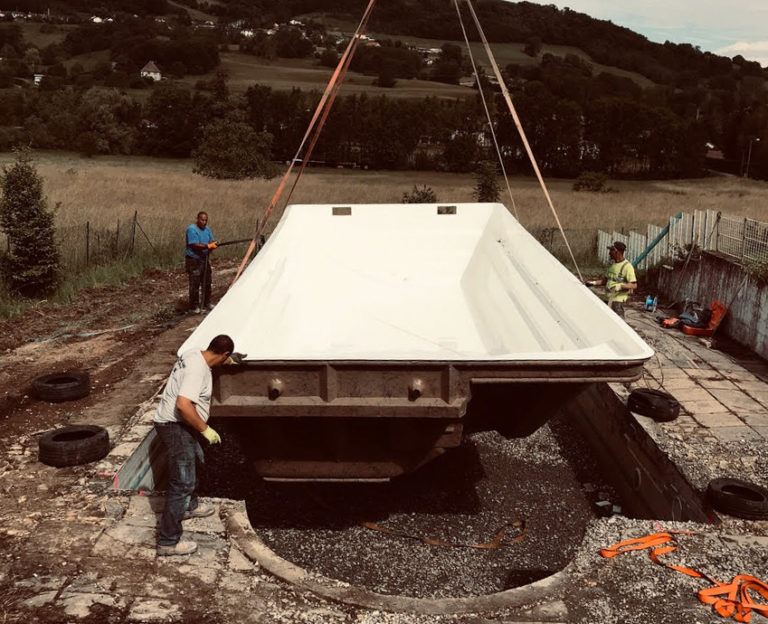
x=210, y=434
x=617, y=287
x=213, y=245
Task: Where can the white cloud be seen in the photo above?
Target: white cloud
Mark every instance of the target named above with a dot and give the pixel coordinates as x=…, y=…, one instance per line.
x=713, y=25
x=751, y=50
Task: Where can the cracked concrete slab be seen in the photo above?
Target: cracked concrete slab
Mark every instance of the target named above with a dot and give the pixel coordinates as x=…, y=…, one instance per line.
x=79, y=604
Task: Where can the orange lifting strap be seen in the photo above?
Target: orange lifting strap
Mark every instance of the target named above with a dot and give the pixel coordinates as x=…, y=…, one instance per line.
x=728, y=599
x=324, y=107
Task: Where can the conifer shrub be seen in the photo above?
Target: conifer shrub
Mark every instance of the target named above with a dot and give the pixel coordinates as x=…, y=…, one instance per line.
x=30, y=266
x=592, y=181
x=487, y=187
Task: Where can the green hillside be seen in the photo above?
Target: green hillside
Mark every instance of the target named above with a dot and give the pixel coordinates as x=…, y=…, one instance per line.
x=592, y=94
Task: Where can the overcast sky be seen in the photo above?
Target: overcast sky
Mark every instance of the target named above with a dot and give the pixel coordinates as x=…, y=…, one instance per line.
x=725, y=27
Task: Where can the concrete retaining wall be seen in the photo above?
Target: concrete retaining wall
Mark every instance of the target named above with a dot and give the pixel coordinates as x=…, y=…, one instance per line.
x=715, y=276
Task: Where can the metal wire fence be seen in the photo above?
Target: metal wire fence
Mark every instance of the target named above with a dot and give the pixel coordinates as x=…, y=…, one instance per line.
x=87, y=244
x=84, y=245
x=745, y=240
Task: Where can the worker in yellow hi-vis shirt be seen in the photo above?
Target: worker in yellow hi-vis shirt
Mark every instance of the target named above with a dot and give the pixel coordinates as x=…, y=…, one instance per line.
x=619, y=280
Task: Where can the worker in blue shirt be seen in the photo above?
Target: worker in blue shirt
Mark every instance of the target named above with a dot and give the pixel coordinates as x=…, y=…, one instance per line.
x=197, y=262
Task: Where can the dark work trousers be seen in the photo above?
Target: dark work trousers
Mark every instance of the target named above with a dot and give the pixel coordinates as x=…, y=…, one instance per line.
x=199, y=272
x=618, y=307
x=183, y=451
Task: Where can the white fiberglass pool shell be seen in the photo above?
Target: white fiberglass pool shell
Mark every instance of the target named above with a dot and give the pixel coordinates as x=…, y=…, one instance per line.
x=407, y=282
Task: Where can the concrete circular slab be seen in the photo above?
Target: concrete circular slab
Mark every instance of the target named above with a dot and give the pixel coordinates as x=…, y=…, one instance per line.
x=241, y=532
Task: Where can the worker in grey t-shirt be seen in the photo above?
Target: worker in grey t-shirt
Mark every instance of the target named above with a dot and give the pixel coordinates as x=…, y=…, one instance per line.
x=181, y=418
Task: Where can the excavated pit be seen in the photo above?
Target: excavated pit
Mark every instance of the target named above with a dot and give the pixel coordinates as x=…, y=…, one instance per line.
x=413, y=536
x=545, y=488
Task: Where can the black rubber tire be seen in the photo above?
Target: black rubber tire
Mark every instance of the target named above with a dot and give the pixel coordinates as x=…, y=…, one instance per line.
x=660, y=406
x=738, y=498
x=66, y=386
x=73, y=445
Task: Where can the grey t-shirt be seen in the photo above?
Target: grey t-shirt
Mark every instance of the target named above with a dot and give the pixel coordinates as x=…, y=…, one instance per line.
x=190, y=378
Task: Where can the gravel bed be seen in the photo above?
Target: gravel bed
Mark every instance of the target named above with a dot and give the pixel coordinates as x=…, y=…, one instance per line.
x=546, y=480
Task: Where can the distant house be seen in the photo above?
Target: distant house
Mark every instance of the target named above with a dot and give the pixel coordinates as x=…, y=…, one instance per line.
x=150, y=70
x=38, y=78
x=715, y=154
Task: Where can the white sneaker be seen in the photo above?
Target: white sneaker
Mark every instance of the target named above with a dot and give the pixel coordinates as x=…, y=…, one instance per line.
x=181, y=548
x=203, y=510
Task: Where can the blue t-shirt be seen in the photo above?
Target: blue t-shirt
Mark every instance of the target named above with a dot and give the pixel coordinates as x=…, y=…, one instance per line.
x=196, y=235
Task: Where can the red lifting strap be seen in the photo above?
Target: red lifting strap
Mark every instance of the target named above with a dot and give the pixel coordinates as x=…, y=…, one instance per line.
x=728, y=599
x=324, y=107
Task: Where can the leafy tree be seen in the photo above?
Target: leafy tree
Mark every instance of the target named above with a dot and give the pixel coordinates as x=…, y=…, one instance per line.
x=232, y=149
x=32, y=262
x=487, y=187
x=291, y=43
x=532, y=46
x=420, y=195
x=386, y=78
x=399, y=60
x=171, y=121
x=460, y=151
x=329, y=58
x=107, y=122
x=448, y=65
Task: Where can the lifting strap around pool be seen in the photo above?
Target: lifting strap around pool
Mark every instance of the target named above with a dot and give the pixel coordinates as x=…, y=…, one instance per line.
x=728, y=599
x=485, y=107
x=323, y=107
x=523, y=137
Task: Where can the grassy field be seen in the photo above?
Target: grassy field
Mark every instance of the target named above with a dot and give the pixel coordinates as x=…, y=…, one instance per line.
x=246, y=70
x=32, y=33
x=166, y=195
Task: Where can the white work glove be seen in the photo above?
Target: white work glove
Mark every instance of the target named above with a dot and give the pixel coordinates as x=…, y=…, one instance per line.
x=209, y=433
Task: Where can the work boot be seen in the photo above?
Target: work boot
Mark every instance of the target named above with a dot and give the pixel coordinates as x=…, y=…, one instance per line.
x=195, y=310
x=180, y=548
x=201, y=511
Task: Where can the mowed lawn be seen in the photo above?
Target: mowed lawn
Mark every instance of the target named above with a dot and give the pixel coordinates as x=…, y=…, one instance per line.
x=246, y=70
x=166, y=195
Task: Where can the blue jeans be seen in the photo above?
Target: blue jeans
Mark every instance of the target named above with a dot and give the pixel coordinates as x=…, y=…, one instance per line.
x=183, y=451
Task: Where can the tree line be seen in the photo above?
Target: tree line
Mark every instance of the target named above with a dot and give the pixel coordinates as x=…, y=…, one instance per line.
x=621, y=135
x=576, y=119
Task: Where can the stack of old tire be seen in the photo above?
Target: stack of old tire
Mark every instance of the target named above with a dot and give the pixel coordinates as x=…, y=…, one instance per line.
x=74, y=444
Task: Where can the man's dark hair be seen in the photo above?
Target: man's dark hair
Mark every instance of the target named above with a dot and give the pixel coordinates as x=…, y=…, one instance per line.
x=202, y=212
x=222, y=344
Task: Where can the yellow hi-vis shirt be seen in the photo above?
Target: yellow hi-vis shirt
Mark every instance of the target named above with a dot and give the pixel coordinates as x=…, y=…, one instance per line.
x=618, y=273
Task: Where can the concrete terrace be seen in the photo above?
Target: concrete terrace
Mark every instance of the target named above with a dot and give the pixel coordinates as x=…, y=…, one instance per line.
x=87, y=554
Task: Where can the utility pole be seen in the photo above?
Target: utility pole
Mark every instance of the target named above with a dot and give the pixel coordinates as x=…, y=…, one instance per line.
x=749, y=155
